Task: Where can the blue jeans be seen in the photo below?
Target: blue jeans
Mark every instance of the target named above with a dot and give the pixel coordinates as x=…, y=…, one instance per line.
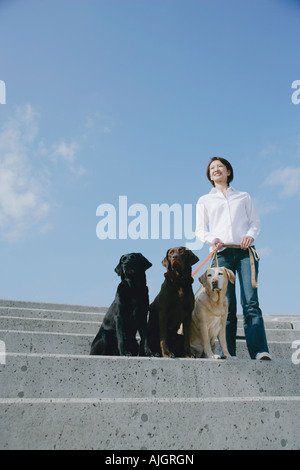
x=239, y=262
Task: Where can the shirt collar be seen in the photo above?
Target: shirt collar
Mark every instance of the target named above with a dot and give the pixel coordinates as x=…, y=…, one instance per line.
x=215, y=190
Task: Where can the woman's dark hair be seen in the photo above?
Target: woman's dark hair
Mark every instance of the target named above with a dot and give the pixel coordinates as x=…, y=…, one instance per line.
x=226, y=163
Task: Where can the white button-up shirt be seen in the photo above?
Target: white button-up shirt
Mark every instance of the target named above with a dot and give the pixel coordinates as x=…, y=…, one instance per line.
x=229, y=218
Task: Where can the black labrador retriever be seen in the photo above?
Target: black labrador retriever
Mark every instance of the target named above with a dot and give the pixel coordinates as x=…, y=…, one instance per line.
x=128, y=312
x=173, y=306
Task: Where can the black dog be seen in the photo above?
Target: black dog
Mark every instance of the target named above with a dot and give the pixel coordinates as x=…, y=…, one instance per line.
x=128, y=312
x=173, y=306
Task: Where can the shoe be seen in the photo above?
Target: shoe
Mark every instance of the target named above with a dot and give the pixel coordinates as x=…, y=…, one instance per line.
x=263, y=356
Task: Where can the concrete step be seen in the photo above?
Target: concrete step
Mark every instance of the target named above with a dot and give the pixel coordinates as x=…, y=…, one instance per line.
x=92, y=327
x=233, y=423
x=70, y=376
x=46, y=342
x=96, y=309
x=51, y=306
x=53, y=395
x=277, y=334
x=68, y=315
x=49, y=325
x=71, y=343
x=44, y=309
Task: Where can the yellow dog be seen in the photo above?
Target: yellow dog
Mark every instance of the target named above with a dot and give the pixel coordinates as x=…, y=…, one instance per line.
x=210, y=313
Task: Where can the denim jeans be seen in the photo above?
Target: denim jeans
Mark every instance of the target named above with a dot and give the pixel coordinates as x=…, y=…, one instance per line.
x=238, y=261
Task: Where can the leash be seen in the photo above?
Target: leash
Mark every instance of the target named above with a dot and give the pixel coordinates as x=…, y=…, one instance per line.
x=201, y=266
x=211, y=255
x=253, y=255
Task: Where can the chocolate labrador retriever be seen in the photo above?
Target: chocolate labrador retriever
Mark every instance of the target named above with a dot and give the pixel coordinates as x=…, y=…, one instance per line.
x=127, y=315
x=173, y=306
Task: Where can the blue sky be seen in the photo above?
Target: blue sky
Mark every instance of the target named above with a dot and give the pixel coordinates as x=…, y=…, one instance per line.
x=109, y=98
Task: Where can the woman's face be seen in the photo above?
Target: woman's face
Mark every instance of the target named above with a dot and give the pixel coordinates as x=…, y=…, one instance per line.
x=218, y=172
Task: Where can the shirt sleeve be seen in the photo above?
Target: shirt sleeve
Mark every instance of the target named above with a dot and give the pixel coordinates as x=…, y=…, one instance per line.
x=202, y=226
x=254, y=220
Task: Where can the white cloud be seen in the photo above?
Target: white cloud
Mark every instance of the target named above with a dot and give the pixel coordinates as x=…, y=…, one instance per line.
x=99, y=122
x=27, y=166
x=68, y=154
x=22, y=201
x=264, y=206
x=46, y=228
x=265, y=251
x=287, y=178
x=270, y=151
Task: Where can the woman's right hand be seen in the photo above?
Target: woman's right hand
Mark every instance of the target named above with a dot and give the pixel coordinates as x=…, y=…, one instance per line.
x=217, y=244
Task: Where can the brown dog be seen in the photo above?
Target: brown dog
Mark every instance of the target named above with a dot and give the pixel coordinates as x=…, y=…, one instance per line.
x=173, y=306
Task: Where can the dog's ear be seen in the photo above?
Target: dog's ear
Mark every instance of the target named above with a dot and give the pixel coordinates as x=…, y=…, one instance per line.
x=231, y=276
x=146, y=263
x=193, y=259
x=118, y=269
x=202, y=279
x=165, y=262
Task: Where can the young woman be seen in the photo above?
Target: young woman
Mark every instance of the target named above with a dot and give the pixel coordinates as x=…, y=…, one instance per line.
x=227, y=217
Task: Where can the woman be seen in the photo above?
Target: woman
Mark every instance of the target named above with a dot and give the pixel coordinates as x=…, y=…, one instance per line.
x=227, y=217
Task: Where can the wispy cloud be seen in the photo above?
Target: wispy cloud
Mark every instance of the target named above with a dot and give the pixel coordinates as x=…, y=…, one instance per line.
x=68, y=153
x=270, y=150
x=265, y=206
x=22, y=201
x=288, y=180
x=265, y=251
x=24, y=177
x=101, y=122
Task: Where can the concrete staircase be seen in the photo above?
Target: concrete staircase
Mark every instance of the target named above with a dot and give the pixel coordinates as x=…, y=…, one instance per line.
x=55, y=396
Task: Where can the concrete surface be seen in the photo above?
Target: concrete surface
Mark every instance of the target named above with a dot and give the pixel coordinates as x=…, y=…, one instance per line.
x=155, y=424
x=53, y=395
x=67, y=376
x=74, y=343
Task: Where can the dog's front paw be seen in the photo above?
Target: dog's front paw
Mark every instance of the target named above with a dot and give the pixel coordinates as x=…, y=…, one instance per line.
x=215, y=356
x=188, y=354
x=147, y=352
x=150, y=353
x=128, y=354
x=165, y=352
x=168, y=354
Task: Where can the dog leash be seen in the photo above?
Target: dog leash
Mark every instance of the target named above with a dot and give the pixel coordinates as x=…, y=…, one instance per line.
x=211, y=255
x=201, y=266
x=253, y=255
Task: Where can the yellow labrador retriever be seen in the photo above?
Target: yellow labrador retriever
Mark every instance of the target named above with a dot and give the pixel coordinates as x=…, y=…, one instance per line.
x=210, y=313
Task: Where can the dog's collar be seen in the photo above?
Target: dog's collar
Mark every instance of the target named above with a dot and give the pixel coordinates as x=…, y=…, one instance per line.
x=183, y=281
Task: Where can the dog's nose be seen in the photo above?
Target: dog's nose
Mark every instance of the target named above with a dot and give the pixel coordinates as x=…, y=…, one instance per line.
x=214, y=282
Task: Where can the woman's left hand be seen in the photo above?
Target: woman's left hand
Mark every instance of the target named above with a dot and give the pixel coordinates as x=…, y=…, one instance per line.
x=246, y=242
